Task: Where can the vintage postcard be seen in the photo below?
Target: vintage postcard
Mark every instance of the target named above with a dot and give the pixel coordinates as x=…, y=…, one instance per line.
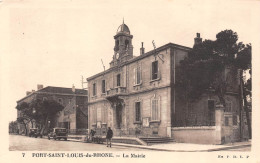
x=129, y=81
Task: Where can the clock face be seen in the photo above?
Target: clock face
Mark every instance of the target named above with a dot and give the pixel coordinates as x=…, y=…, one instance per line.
x=117, y=55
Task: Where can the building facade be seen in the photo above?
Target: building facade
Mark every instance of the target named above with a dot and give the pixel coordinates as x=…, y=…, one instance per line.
x=75, y=113
x=137, y=96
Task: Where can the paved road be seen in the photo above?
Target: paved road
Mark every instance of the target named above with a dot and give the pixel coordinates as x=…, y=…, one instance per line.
x=24, y=143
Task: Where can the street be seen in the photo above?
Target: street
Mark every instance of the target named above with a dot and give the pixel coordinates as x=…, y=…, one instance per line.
x=25, y=143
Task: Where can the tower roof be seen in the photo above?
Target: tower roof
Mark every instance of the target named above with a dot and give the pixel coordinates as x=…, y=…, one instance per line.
x=123, y=28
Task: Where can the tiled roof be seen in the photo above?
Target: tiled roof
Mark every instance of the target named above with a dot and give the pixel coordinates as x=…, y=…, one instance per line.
x=60, y=90
x=63, y=90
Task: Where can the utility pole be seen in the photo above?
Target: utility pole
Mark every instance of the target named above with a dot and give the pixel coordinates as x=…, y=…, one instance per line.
x=82, y=83
x=160, y=57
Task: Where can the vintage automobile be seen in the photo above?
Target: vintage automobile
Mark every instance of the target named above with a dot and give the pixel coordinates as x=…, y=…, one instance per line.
x=34, y=132
x=58, y=133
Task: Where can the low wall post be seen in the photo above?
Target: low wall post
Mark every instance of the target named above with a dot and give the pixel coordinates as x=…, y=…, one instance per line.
x=219, y=122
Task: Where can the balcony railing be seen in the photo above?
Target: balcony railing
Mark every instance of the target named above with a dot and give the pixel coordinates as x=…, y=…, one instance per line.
x=116, y=91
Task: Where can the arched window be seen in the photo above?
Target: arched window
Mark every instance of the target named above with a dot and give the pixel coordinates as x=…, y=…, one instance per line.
x=117, y=45
x=126, y=44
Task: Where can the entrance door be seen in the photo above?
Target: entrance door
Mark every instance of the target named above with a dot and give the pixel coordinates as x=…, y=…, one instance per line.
x=118, y=116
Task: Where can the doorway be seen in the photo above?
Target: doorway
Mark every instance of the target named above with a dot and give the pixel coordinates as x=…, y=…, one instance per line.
x=118, y=116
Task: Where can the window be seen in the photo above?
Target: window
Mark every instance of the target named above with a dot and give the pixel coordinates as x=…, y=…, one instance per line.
x=138, y=111
x=118, y=78
x=103, y=86
x=234, y=120
x=60, y=101
x=226, y=121
x=155, y=71
x=126, y=44
x=137, y=75
x=228, y=106
x=94, y=89
x=155, y=110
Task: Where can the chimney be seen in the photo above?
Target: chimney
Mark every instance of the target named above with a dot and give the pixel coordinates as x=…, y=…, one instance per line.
x=73, y=88
x=28, y=92
x=39, y=86
x=142, y=49
x=197, y=40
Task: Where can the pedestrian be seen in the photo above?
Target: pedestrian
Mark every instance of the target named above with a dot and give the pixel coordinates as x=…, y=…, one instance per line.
x=109, y=136
x=92, y=134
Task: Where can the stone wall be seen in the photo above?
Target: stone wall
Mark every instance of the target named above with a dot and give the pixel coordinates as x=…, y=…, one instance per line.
x=196, y=135
x=225, y=130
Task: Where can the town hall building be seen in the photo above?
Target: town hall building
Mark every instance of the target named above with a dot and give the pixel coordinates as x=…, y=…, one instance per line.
x=137, y=97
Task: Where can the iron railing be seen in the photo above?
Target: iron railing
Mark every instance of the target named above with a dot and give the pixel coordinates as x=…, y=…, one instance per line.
x=117, y=90
x=78, y=131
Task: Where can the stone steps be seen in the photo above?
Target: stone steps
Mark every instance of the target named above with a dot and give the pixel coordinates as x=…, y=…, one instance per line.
x=156, y=140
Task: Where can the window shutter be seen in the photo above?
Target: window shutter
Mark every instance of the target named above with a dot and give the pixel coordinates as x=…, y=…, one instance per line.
x=140, y=111
x=151, y=71
x=153, y=109
x=159, y=72
x=134, y=76
x=140, y=72
x=159, y=108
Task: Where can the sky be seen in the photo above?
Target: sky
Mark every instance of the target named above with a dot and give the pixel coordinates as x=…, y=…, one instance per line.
x=56, y=42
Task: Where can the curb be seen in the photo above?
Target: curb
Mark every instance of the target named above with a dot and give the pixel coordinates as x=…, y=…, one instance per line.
x=170, y=150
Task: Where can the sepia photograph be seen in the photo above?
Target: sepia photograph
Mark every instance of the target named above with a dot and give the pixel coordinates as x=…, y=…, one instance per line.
x=129, y=81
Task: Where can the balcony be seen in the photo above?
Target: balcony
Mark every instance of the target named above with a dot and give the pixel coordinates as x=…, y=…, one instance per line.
x=116, y=91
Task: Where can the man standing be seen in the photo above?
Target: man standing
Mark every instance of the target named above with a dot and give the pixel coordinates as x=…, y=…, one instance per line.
x=92, y=134
x=109, y=136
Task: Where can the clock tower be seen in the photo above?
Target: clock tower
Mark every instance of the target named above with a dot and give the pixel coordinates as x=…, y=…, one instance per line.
x=123, y=49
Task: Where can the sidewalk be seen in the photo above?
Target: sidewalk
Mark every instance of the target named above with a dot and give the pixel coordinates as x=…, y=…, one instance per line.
x=183, y=147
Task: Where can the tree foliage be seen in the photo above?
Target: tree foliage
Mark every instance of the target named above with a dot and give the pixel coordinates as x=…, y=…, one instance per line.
x=203, y=69
x=39, y=110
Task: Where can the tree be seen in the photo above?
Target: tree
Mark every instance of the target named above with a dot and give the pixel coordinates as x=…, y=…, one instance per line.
x=13, y=127
x=202, y=70
x=24, y=115
x=39, y=110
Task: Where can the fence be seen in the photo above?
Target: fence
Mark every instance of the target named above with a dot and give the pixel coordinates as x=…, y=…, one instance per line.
x=78, y=131
x=130, y=132
x=195, y=119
